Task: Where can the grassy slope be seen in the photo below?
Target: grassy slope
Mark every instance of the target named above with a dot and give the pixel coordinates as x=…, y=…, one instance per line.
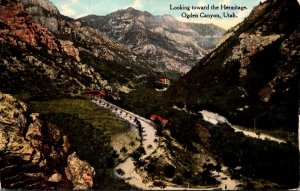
x=85, y=110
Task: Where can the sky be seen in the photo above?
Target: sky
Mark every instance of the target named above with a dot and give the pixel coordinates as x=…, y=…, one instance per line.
x=80, y=8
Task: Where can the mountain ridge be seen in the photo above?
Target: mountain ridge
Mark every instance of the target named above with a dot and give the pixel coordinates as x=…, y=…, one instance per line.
x=80, y=57
x=251, y=76
x=162, y=42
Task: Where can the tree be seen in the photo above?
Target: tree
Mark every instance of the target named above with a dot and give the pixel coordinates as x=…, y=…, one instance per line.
x=150, y=168
x=159, y=127
x=123, y=150
x=218, y=167
x=182, y=127
x=132, y=144
x=169, y=171
x=178, y=179
x=208, y=166
x=187, y=174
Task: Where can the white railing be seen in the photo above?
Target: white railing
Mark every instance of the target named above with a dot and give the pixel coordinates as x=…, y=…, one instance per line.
x=97, y=99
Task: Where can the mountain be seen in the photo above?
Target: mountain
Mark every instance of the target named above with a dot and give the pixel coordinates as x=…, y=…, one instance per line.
x=162, y=42
x=252, y=77
x=35, y=154
x=46, y=54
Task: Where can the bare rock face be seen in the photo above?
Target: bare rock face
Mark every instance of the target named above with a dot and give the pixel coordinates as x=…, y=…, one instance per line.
x=45, y=4
x=70, y=49
x=35, y=155
x=79, y=172
x=56, y=177
x=40, y=11
x=31, y=52
x=249, y=46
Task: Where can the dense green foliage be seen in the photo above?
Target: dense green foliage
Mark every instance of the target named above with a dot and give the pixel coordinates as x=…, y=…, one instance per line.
x=259, y=159
x=204, y=178
x=169, y=171
x=146, y=101
x=122, y=72
x=182, y=127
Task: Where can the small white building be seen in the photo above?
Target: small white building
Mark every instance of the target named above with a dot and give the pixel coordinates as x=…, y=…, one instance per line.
x=164, y=80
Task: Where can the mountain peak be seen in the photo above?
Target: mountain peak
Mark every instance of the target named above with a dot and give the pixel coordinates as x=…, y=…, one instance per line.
x=168, y=17
x=163, y=42
x=130, y=9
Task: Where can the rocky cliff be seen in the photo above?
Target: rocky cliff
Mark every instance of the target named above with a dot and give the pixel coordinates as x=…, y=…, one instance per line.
x=34, y=60
x=164, y=43
x=252, y=76
x=35, y=154
x=41, y=10
x=45, y=54
x=114, y=61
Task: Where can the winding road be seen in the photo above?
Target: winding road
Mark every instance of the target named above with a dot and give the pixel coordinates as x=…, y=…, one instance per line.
x=147, y=127
x=149, y=137
x=134, y=177
x=138, y=177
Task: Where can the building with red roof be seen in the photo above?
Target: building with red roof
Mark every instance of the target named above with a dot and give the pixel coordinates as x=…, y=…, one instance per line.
x=153, y=117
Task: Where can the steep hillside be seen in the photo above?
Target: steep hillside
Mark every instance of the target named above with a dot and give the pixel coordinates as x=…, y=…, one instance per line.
x=35, y=154
x=167, y=45
x=252, y=77
x=113, y=60
x=34, y=60
x=45, y=54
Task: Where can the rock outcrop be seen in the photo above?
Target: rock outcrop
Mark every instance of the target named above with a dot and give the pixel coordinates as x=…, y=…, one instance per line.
x=43, y=11
x=45, y=4
x=79, y=173
x=250, y=44
x=70, y=49
x=252, y=76
x=35, y=154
